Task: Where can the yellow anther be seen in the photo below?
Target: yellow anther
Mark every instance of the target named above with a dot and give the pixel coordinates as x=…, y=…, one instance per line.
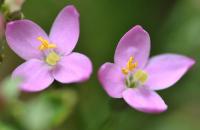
x=131, y=59
x=45, y=44
x=125, y=71
x=130, y=66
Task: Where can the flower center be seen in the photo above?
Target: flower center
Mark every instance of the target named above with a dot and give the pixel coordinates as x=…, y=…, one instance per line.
x=134, y=79
x=52, y=57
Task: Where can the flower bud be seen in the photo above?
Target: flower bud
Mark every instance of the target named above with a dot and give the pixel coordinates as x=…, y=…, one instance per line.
x=14, y=5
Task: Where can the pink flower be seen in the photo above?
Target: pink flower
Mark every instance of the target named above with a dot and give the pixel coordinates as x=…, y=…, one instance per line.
x=48, y=57
x=135, y=78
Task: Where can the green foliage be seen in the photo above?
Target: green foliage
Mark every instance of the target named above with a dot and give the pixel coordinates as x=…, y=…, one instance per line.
x=49, y=110
x=4, y=126
x=9, y=89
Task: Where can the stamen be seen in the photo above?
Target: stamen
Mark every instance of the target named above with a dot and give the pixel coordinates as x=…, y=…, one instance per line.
x=130, y=66
x=124, y=71
x=133, y=79
x=136, y=79
x=45, y=44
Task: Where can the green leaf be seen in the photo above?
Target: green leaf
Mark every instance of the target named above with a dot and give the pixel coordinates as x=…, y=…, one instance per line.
x=62, y=103
x=4, y=126
x=49, y=110
x=9, y=89
x=37, y=116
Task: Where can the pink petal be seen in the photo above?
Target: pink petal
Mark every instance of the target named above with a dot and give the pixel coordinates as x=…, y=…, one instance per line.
x=165, y=70
x=22, y=37
x=65, y=30
x=136, y=43
x=72, y=68
x=35, y=74
x=144, y=100
x=112, y=79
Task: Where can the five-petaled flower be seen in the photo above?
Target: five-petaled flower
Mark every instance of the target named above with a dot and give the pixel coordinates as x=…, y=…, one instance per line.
x=48, y=57
x=134, y=77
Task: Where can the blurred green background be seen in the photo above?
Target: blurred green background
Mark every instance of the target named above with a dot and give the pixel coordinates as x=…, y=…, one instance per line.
x=174, y=26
